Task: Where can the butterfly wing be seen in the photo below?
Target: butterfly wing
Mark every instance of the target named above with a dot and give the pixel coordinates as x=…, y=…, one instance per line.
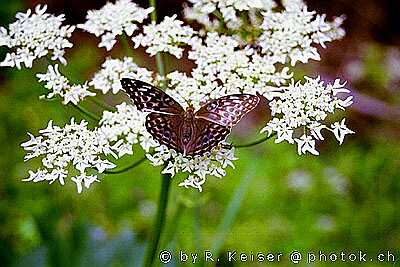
x=207, y=135
x=163, y=127
x=228, y=110
x=150, y=98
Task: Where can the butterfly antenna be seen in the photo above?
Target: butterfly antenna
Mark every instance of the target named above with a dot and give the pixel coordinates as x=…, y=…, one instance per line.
x=188, y=103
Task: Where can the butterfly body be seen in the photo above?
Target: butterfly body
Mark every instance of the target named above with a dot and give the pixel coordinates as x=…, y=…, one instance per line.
x=189, y=132
x=188, y=127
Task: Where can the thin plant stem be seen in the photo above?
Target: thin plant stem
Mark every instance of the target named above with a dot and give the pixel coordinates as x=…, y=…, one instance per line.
x=86, y=113
x=101, y=104
x=159, y=222
x=153, y=14
x=125, y=45
x=160, y=65
x=152, y=246
x=159, y=59
x=135, y=164
x=262, y=140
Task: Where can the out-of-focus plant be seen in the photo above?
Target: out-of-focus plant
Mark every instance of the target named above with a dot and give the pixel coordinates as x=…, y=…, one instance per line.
x=239, y=47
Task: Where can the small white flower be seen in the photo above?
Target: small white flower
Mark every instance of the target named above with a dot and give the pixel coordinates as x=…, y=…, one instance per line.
x=59, y=85
x=306, y=144
x=340, y=130
x=168, y=36
x=113, y=70
x=114, y=19
x=76, y=93
x=86, y=179
x=193, y=181
x=35, y=35
x=43, y=175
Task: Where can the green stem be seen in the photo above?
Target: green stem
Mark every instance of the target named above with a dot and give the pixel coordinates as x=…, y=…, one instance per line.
x=136, y=163
x=159, y=60
x=153, y=14
x=160, y=65
x=86, y=113
x=125, y=45
x=255, y=142
x=152, y=246
x=101, y=104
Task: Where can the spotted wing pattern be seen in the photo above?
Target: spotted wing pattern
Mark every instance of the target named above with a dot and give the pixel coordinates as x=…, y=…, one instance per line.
x=210, y=125
x=163, y=127
x=228, y=110
x=207, y=135
x=150, y=98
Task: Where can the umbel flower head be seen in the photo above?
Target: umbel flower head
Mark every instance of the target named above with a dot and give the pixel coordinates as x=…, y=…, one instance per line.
x=60, y=86
x=167, y=36
x=114, y=19
x=35, y=35
x=255, y=55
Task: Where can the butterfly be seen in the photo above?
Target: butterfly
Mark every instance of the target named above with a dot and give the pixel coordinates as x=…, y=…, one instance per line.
x=189, y=132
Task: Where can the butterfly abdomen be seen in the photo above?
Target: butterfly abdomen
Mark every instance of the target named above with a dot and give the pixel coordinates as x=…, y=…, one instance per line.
x=186, y=132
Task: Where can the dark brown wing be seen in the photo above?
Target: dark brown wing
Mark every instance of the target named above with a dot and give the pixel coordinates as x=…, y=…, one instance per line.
x=207, y=135
x=150, y=98
x=164, y=128
x=228, y=110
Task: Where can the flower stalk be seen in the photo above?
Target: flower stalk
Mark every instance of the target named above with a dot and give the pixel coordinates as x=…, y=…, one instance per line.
x=262, y=140
x=159, y=222
x=86, y=112
x=135, y=164
x=159, y=60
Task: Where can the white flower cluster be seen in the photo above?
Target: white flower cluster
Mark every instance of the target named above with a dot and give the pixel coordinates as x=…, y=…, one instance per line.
x=112, y=70
x=299, y=110
x=118, y=131
x=222, y=68
x=33, y=36
x=228, y=9
x=286, y=35
x=124, y=128
x=198, y=167
x=168, y=36
x=289, y=35
x=86, y=149
x=72, y=145
x=114, y=19
x=59, y=85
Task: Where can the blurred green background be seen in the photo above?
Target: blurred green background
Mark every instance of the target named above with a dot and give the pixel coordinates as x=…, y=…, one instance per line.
x=346, y=199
